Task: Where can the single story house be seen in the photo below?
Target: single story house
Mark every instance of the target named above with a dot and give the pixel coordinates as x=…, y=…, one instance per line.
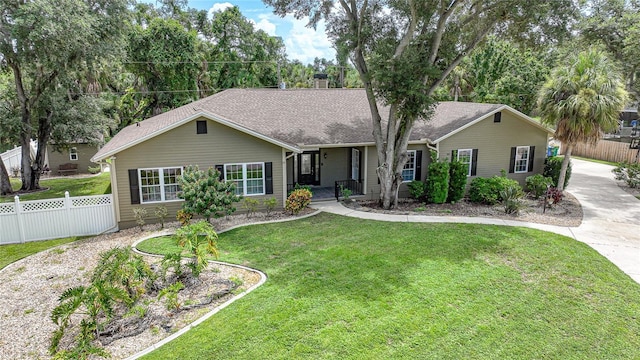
x=267, y=140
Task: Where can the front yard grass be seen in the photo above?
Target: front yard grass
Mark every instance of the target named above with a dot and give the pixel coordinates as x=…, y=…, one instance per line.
x=15, y=252
x=341, y=287
x=82, y=186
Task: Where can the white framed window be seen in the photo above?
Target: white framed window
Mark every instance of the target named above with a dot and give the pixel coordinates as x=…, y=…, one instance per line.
x=521, y=163
x=465, y=156
x=248, y=177
x=73, y=153
x=409, y=170
x=160, y=184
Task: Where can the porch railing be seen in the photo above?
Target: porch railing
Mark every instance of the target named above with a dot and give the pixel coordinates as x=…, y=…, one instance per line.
x=354, y=185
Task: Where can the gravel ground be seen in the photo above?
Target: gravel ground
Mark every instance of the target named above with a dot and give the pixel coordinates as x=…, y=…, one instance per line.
x=567, y=213
x=30, y=288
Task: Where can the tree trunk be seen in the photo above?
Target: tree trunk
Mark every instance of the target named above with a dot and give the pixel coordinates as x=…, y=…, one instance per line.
x=564, y=167
x=5, y=184
x=25, y=143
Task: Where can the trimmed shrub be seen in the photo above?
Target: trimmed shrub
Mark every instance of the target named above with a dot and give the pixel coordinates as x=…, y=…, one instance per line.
x=270, y=204
x=487, y=190
x=251, y=205
x=184, y=217
x=538, y=184
x=161, y=213
x=140, y=214
x=298, y=200
x=417, y=189
x=552, y=167
x=457, y=181
x=629, y=173
x=438, y=182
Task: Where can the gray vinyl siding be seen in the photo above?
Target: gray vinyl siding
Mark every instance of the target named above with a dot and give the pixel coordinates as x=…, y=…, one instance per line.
x=373, y=187
x=85, y=152
x=181, y=147
x=335, y=167
x=494, y=142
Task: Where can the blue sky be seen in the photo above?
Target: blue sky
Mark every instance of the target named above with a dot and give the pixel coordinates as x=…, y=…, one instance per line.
x=302, y=43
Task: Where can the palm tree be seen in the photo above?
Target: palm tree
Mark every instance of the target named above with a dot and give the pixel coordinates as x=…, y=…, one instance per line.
x=582, y=99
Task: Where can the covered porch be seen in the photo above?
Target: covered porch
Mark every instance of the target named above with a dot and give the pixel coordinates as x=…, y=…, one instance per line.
x=328, y=170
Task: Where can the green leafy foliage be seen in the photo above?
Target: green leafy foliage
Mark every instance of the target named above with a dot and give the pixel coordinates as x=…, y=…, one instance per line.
x=552, y=166
x=298, y=200
x=537, y=184
x=205, y=194
x=121, y=267
x=199, y=239
x=270, y=204
x=488, y=190
x=417, y=189
x=629, y=173
x=345, y=192
x=511, y=197
x=171, y=294
x=457, y=181
x=438, y=182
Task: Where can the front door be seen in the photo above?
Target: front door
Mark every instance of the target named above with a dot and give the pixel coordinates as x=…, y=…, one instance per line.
x=309, y=168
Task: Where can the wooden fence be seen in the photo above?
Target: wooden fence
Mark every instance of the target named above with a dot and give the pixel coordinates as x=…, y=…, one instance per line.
x=56, y=218
x=607, y=150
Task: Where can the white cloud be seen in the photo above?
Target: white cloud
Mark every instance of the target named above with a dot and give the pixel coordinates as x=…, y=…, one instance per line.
x=305, y=44
x=218, y=7
x=264, y=24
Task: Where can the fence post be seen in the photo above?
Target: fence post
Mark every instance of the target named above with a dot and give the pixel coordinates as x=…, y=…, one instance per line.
x=19, y=218
x=67, y=208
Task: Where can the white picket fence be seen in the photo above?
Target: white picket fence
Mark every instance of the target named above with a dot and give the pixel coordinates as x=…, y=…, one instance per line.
x=56, y=218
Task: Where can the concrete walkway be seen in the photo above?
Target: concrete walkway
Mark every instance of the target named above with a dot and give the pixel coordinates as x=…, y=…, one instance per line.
x=611, y=223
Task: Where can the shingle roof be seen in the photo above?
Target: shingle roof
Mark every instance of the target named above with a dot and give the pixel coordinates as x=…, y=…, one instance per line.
x=298, y=117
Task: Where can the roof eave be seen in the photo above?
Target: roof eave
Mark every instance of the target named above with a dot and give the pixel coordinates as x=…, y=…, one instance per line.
x=501, y=108
x=200, y=114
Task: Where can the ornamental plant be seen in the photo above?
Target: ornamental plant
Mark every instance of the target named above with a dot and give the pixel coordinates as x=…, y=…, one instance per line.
x=537, y=184
x=438, y=182
x=417, y=189
x=199, y=239
x=205, y=194
x=298, y=200
x=488, y=190
x=552, y=167
x=629, y=173
x=457, y=180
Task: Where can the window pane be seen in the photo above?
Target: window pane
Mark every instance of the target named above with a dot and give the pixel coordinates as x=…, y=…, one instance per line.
x=408, y=172
x=464, y=156
x=522, y=159
x=255, y=187
x=233, y=172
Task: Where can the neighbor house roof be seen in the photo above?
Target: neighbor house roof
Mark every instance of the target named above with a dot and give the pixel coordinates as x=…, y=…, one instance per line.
x=299, y=118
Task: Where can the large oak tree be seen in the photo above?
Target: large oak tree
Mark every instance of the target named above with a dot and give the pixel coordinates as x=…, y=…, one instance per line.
x=45, y=44
x=403, y=50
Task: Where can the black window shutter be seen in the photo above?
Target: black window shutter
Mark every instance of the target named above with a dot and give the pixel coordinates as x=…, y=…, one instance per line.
x=133, y=186
x=532, y=153
x=268, y=178
x=350, y=165
x=453, y=155
x=220, y=168
x=418, y=162
x=474, y=162
x=512, y=162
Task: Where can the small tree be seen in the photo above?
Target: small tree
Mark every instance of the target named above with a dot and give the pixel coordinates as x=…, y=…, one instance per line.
x=205, y=194
x=192, y=237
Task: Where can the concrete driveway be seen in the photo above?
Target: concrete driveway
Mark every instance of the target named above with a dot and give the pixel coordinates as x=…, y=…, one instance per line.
x=611, y=223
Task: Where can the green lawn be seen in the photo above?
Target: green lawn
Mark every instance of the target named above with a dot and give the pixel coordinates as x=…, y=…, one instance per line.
x=94, y=185
x=347, y=288
x=595, y=161
x=15, y=252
